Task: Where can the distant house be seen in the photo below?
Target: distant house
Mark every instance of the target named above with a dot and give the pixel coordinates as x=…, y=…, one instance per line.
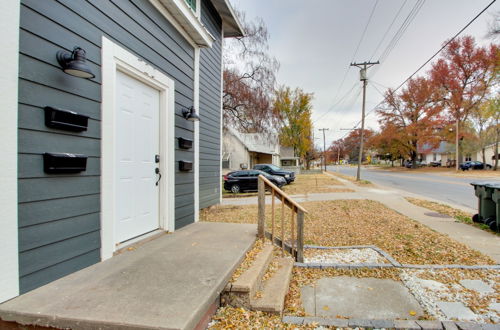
x=442, y=153
x=489, y=153
x=244, y=150
x=288, y=159
x=99, y=138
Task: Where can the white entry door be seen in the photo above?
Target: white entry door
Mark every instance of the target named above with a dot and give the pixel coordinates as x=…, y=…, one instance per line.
x=137, y=143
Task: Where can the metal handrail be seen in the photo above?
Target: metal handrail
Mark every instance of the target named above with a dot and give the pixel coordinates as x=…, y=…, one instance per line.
x=296, y=209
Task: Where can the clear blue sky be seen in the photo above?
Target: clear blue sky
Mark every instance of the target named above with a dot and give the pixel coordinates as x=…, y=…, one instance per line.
x=315, y=42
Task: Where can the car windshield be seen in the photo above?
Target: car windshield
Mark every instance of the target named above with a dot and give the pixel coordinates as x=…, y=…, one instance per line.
x=274, y=167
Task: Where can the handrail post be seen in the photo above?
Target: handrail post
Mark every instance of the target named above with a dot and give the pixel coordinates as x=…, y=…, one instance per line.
x=300, y=236
x=262, y=209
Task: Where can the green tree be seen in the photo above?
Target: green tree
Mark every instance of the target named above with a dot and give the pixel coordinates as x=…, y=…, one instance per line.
x=293, y=108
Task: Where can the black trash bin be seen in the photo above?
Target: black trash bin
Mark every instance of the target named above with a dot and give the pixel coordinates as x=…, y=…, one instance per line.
x=486, y=206
x=495, y=196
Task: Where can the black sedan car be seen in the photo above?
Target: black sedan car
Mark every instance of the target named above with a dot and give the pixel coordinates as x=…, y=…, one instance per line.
x=275, y=170
x=240, y=181
x=474, y=165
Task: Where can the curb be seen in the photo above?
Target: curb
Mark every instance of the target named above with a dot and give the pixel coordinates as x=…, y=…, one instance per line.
x=388, y=324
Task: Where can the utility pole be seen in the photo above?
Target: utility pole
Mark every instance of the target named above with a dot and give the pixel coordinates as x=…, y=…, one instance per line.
x=363, y=77
x=324, y=145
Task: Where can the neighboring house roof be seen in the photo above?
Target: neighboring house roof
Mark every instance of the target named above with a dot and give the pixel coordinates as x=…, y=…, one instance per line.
x=257, y=142
x=443, y=148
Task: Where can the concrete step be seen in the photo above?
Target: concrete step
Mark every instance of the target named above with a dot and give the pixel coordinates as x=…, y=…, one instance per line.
x=249, y=280
x=240, y=292
x=275, y=289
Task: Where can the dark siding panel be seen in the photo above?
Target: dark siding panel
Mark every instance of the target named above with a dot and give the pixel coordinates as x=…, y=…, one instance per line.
x=52, y=273
x=55, y=209
x=51, y=232
x=210, y=110
x=34, y=260
x=31, y=190
x=39, y=96
x=59, y=214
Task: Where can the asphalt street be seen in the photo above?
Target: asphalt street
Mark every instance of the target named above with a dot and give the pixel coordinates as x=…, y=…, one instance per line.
x=443, y=188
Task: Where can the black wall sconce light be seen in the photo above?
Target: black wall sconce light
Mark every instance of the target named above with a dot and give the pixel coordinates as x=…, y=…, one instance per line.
x=74, y=63
x=190, y=114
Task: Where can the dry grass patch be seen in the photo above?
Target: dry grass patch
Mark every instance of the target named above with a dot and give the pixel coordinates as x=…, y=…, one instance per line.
x=459, y=215
x=362, y=222
x=362, y=183
x=314, y=183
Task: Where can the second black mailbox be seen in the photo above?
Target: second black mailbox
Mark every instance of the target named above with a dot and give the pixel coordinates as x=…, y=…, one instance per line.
x=58, y=163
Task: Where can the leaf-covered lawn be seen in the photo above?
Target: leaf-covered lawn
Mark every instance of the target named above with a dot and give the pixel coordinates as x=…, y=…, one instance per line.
x=361, y=222
x=362, y=183
x=314, y=183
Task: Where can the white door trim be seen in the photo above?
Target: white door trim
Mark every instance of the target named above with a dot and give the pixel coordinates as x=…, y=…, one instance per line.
x=9, y=250
x=114, y=58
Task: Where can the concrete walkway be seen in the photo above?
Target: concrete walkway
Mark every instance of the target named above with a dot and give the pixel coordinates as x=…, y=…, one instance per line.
x=168, y=283
x=475, y=238
x=359, y=298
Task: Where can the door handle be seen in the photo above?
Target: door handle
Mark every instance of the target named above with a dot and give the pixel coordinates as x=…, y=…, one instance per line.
x=157, y=171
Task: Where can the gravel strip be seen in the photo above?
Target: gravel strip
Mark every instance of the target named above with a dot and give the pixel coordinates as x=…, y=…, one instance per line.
x=344, y=256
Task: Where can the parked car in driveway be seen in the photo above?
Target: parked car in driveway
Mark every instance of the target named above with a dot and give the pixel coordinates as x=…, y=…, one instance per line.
x=435, y=164
x=409, y=164
x=473, y=165
x=275, y=170
x=240, y=181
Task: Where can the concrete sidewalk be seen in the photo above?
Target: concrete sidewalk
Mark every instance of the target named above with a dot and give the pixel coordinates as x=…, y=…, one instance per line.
x=172, y=282
x=475, y=238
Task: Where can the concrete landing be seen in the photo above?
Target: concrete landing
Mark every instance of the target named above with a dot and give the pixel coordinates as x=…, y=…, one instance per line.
x=360, y=298
x=168, y=283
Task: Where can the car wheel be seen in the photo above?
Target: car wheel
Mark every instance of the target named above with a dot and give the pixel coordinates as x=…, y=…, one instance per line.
x=493, y=226
x=235, y=189
x=489, y=221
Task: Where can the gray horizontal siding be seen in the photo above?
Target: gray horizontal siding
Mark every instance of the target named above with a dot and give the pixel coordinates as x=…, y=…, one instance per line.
x=210, y=110
x=34, y=280
x=59, y=214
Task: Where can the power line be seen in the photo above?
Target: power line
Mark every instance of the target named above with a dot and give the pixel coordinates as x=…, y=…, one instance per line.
x=364, y=31
x=402, y=29
x=353, y=56
x=430, y=59
x=446, y=44
x=337, y=103
x=388, y=29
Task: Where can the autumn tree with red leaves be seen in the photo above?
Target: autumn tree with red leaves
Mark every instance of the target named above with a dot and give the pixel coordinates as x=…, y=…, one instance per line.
x=411, y=117
x=352, y=141
x=464, y=76
x=389, y=142
x=249, y=80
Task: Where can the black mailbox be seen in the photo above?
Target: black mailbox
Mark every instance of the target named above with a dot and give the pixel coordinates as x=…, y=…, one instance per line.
x=185, y=143
x=185, y=166
x=65, y=119
x=56, y=163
